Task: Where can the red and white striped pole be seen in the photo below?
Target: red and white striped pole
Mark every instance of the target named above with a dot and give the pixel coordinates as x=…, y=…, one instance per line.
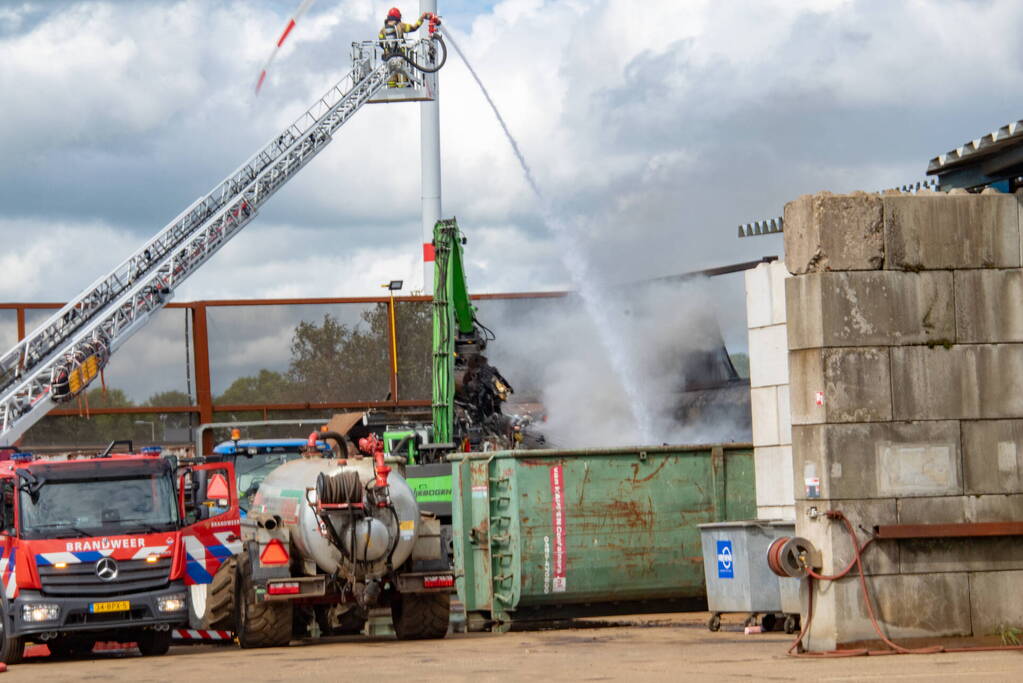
x=302, y=9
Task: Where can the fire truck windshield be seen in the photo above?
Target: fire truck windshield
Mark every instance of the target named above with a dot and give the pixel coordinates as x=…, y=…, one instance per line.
x=62, y=508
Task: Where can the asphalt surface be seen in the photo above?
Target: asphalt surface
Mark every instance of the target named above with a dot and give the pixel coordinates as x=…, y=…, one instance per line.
x=657, y=648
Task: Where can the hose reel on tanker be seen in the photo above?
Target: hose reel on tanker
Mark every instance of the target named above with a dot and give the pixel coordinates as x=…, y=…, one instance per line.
x=345, y=509
x=355, y=521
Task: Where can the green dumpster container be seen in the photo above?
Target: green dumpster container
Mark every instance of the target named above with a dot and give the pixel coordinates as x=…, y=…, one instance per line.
x=541, y=535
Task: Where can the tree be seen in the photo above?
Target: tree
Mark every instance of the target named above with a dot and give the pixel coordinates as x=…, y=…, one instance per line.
x=87, y=429
x=332, y=361
x=413, y=321
x=171, y=399
x=265, y=388
x=335, y=362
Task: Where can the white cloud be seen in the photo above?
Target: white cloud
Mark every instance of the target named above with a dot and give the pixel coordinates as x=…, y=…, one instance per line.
x=658, y=126
x=42, y=258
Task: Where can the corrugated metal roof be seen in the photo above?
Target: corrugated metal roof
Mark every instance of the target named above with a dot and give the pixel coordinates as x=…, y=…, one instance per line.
x=1011, y=134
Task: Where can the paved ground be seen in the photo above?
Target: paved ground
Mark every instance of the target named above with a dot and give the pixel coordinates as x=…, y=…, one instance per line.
x=661, y=648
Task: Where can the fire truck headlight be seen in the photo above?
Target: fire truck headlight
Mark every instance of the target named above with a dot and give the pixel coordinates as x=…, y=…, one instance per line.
x=36, y=612
x=171, y=603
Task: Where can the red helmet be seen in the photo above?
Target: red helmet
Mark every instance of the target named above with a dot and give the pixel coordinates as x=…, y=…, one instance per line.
x=394, y=13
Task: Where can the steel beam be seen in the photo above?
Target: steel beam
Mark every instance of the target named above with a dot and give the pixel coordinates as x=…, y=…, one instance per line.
x=203, y=390
x=957, y=530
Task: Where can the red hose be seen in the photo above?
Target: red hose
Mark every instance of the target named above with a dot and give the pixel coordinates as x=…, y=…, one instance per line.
x=865, y=592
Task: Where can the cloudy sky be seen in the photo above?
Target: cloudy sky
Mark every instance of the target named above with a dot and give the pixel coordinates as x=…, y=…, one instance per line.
x=658, y=125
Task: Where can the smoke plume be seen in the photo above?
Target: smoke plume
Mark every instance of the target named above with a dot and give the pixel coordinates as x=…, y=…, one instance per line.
x=550, y=351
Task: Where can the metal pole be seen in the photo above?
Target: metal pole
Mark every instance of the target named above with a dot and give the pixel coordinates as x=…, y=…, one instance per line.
x=21, y=333
x=429, y=117
x=203, y=391
x=393, y=349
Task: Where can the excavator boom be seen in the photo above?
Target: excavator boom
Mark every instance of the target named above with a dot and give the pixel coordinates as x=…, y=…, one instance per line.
x=467, y=390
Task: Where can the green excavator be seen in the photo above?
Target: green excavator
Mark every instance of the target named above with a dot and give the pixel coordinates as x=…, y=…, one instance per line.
x=468, y=391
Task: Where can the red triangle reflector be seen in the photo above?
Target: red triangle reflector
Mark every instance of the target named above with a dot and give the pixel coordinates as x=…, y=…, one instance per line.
x=217, y=488
x=274, y=553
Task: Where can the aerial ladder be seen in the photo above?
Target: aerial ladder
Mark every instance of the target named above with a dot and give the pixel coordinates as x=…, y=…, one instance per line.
x=58, y=360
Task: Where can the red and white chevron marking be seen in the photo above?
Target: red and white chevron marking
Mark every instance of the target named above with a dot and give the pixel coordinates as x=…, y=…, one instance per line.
x=9, y=575
x=302, y=9
x=193, y=634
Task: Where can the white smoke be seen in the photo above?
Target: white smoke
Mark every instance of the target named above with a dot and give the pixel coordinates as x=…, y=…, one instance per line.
x=553, y=353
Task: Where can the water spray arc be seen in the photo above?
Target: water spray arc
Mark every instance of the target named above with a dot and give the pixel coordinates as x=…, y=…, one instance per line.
x=594, y=295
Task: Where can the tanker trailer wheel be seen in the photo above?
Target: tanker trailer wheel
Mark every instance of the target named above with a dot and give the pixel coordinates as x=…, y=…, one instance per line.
x=259, y=624
x=419, y=616
x=219, y=609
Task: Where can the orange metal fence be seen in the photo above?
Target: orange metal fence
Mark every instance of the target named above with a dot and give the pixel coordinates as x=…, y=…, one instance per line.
x=386, y=361
x=398, y=378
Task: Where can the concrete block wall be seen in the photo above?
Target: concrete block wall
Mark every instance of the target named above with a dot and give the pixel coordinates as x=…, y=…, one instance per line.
x=769, y=390
x=905, y=338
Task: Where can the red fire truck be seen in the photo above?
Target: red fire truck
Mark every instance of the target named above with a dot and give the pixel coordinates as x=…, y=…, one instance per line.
x=102, y=548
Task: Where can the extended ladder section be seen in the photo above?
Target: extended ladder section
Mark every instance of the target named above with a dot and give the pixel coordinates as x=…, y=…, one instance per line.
x=58, y=360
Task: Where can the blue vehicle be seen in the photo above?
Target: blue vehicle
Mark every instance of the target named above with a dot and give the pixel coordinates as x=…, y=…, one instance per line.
x=253, y=459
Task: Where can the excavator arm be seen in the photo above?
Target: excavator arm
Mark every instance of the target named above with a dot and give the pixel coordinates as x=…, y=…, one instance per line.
x=467, y=390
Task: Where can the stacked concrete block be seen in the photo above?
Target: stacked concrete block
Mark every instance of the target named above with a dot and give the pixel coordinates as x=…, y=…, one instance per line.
x=905, y=338
x=769, y=382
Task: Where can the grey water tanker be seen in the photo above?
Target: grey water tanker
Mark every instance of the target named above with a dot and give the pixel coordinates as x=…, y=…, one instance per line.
x=326, y=540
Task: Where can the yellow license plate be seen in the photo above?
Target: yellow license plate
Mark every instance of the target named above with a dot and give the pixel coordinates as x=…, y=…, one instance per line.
x=118, y=606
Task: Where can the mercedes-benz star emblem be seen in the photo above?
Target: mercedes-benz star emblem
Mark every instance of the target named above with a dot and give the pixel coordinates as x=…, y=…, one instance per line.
x=106, y=569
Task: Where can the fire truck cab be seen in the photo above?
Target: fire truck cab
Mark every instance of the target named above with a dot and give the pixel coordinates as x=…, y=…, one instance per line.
x=103, y=547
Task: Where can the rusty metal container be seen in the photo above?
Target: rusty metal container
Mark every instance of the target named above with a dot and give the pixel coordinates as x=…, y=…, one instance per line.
x=549, y=534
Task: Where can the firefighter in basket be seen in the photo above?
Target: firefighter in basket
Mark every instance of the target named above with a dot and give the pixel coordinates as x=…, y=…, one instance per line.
x=391, y=36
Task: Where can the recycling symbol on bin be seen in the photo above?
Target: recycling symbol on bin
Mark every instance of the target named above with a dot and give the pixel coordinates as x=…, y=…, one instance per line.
x=725, y=558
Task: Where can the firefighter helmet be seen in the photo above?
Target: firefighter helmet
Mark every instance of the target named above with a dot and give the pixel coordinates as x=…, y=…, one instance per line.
x=394, y=13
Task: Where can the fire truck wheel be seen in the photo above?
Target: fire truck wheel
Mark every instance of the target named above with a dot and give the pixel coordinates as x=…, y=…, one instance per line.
x=219, y=608
x=67, y=648
x=419, y=616
x=198, y=594
x=154, y=643
x=260, y=624
x=12, y=649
